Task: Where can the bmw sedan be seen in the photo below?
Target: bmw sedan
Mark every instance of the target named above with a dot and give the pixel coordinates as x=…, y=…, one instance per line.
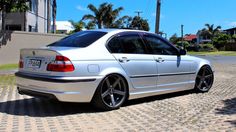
x=107, y=67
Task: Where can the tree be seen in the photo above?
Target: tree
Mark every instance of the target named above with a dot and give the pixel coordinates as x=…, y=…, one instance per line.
x=90, y=25
x=210, y=31
x=140, y=24
x=102, y=16
x=111, y=15
x=78, y=26
x=221, y=40
x=12, y=6
x=174, y=39
x=234, y=37
x=122, y=23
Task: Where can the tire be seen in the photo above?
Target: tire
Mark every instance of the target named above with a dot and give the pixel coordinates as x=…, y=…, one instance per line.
x=111, y=93
x=204, y=79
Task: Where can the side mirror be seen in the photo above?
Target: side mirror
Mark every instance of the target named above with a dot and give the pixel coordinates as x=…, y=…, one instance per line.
x=182, y=52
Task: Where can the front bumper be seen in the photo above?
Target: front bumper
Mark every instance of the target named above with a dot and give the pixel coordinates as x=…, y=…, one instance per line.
x=65, y=89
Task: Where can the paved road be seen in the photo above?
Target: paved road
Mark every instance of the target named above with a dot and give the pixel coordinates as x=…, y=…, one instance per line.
x=184, y=111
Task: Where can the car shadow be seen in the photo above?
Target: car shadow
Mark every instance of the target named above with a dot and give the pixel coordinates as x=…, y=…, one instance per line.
x=35, y=107
x=228, y=109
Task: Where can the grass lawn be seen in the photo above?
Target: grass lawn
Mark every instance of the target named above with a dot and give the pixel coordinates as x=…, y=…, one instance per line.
x=223, y=53
x=8, y=66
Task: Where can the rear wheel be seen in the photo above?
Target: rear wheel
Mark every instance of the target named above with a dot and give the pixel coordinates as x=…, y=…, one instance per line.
x=204, y=79
x=111, y=93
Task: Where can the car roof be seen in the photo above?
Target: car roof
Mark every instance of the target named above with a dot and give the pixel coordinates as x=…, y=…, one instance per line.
x=117, y=30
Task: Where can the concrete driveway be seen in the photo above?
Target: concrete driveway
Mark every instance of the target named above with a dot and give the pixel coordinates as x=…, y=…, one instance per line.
x=183, y=111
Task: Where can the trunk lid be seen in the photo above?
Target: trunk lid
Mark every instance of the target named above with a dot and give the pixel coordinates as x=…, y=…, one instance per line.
x=36, y=60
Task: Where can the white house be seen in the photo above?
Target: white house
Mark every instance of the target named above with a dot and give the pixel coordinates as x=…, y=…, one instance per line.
x=64, y=27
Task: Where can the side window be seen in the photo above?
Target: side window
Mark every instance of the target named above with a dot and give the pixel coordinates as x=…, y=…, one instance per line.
x=114, y=45
x=132, y=44
x=128, y=44
x=160, y=47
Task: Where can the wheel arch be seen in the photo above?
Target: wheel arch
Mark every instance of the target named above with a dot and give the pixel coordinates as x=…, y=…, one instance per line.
x=121, y=73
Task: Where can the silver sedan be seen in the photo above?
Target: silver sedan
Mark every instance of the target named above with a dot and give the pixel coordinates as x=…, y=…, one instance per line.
x=107, y=67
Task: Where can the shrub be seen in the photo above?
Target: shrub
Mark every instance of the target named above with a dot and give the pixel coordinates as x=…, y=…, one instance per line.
x=185, y=44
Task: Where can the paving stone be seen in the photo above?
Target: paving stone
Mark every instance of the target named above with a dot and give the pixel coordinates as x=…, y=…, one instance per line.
x=184, y=111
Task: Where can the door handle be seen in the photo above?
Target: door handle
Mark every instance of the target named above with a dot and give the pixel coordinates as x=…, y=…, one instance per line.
x=160, y=60
x=124, y=59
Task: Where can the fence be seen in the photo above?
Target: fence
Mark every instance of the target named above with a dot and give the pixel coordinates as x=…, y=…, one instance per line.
x=12, y=42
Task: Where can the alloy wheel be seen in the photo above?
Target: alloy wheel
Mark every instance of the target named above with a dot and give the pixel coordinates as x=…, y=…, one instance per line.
x=204, y=79
x=113, y=91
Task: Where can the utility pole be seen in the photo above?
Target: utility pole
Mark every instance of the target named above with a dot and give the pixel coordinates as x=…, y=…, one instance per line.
x=48, y=16
x=158, y=14
x=182, y=36
x=139, y=20
x=138, y=12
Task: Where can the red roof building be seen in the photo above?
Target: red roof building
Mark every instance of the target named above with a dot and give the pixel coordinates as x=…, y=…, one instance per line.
x=191, y=38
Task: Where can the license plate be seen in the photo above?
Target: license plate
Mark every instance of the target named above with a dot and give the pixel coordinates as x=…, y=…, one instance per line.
x=34, y=63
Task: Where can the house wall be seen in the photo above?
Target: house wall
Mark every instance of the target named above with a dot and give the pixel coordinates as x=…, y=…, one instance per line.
x=36, y=18
x=9, y=52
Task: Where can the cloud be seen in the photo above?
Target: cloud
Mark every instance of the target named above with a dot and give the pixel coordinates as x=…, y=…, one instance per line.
x=81, y=8
x=233, y=24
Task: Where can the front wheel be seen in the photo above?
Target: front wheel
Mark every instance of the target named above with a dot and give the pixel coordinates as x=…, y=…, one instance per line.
x=204, y=79
x=111, y=93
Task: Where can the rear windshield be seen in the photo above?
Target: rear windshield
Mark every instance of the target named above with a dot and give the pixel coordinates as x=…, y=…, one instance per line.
x=81, y=39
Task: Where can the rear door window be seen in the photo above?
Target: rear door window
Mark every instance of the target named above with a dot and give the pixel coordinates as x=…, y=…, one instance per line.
x=81, y=39
x=128, y=44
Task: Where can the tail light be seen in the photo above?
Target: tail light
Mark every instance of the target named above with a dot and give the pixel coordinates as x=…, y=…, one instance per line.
x=21, y=62
x=61, y=64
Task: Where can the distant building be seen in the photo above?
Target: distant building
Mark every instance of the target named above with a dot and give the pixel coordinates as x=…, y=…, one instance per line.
x=191, y=38
x=33, y=20
x=64, y=27
x=231, y=31
x=202, y=39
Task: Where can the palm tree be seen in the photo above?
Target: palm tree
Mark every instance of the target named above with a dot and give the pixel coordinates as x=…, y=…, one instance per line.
x=102, y=16
x=78, y=26
x=111, y=15
x=210, y=30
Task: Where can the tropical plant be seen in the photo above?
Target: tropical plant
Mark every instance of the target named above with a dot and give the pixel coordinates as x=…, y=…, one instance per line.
x=123, y=22
x=104, y=15
x=210, y=31
x=111, y=15
x=78, y=26
x=221, y=40
x=140, y=24
x=234, y=37
x=174, y=39
x=90, y=25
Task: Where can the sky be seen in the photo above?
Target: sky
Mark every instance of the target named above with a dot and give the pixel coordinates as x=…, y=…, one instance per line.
x=193, y=14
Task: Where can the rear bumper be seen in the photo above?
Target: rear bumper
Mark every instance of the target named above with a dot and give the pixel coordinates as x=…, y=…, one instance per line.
x=65, y=89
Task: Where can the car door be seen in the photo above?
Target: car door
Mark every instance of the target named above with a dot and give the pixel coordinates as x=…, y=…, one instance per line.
x=130, y=51
x=173, y=70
